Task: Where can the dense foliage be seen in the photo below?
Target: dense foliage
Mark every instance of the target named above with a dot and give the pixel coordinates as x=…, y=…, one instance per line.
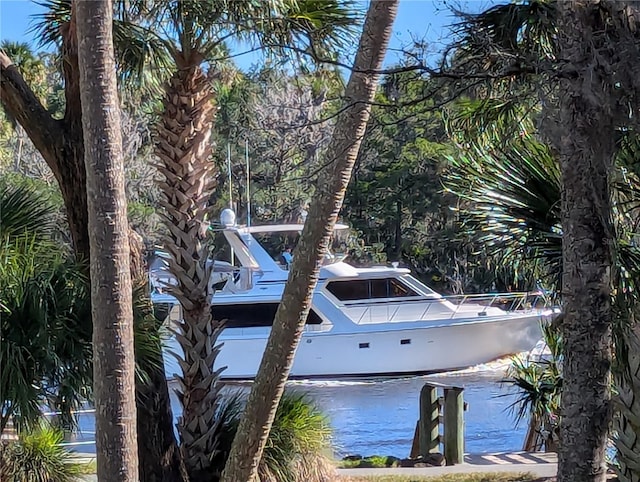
x=46, y=334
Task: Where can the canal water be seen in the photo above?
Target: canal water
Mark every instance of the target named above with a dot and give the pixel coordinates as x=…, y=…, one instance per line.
x=379, y=416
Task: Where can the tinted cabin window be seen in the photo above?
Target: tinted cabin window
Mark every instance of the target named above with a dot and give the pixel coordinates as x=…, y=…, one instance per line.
x=349, y=290
x=255, y=314
x=379, y=288
x=398, y=290
x=367, y=289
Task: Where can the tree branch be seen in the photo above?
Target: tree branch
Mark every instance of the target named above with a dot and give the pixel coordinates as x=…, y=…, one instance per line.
x=21, y=103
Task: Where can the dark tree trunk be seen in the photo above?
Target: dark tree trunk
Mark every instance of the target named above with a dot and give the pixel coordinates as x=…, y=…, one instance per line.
x=111, y=289
x=253, y=431
x=159, y=452
x=60, y=146
x=584, y=141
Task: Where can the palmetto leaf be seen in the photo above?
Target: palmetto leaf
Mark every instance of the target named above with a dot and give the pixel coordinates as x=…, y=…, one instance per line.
x=143, y=58
x=319, y=26
x=48, y=24
x=537, y=383
x=45, y=315
x=297, y=443
x=45, y=349
x=198, y=29
x=507, y=31
x=490, y=120
x=149, y=331
x=25, y=210
x=511, y=203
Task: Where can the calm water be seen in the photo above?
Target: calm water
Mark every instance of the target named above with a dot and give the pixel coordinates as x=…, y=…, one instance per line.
x=379, y=417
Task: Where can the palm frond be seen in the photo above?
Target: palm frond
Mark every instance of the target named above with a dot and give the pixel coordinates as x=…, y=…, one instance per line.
x=509, y=31
x=149, y=331
x=45, y=349
x=143, y=58
x=490, y=120
x=297, y=444
x=511, y=202
x=200, y=28
x=38, y=456
x=48, y=25
x=25, y=210
x=537, y=382
x=318, y=26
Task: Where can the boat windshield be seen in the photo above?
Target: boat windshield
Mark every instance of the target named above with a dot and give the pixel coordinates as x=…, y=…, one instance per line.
x=281, y=246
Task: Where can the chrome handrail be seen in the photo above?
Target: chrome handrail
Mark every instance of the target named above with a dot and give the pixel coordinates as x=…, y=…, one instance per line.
x=517, y=302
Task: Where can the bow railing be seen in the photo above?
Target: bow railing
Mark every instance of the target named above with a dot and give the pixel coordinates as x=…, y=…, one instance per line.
x=434, y=308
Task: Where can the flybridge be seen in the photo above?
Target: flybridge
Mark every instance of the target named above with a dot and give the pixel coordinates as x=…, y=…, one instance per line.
x=282, y=228
x=250, y=253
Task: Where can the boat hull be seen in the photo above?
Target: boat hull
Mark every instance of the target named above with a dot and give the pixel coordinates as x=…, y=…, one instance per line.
x=404, y=349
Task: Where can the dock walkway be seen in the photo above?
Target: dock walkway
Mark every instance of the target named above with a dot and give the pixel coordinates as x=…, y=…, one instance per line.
x=536, y=463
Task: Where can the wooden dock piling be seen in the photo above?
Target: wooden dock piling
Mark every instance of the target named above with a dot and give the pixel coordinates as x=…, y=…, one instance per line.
x=429, y=422
x=453, y=425
x=427, y=436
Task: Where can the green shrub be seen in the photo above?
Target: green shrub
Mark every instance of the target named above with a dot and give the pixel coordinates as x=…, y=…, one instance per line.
x=298, y=446
x=373, y=461
x=37, y=457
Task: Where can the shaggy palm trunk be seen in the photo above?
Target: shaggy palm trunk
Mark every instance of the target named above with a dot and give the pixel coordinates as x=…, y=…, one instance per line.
x=253, y=431
x=157, y=446
x=584, y=140
x=627, y=426
x=111, y=290
x=184, y=147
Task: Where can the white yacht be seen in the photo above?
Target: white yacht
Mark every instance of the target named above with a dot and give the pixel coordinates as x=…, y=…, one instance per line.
x=364, y=322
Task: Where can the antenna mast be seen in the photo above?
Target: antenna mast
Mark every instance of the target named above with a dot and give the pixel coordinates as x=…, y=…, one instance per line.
x=229, y=176
x=246, y=156
x=230, y=190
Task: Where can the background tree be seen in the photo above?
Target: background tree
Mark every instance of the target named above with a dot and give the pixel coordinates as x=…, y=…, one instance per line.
x=33, y=70
x=292, y=312
x=395, y=199
x=111, y=299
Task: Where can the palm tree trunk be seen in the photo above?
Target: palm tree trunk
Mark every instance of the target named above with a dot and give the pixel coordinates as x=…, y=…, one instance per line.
x=159, y=455
x=248, y=446
x=113, y=347
x=584, y=140
x=60, y=142
x=627, y=422
x=184, y=149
